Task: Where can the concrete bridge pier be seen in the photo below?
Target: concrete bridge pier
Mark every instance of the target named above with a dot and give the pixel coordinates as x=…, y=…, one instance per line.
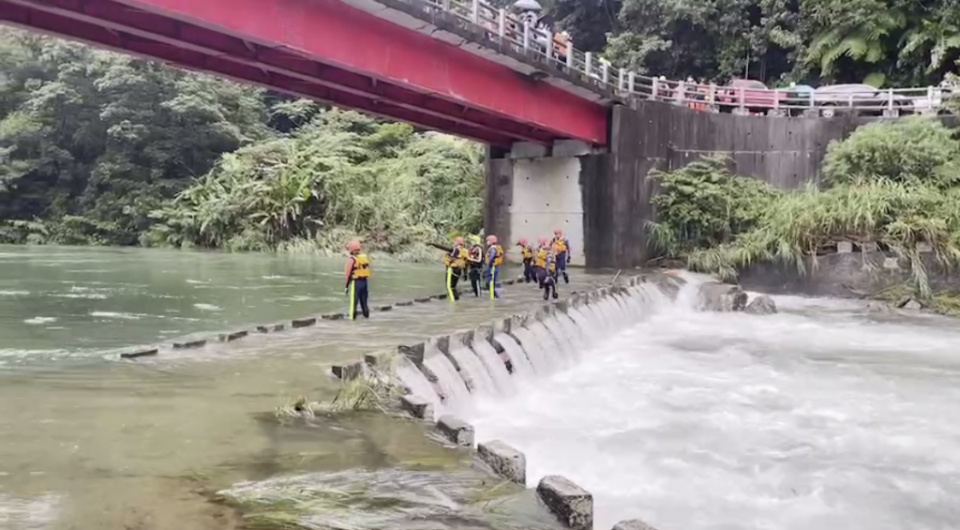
x=598, y=196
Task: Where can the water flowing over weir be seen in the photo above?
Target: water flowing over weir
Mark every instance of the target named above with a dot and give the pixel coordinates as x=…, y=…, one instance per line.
x=821, y=416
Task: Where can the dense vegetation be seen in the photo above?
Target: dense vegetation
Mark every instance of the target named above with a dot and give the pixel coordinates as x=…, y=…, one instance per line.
x=888, y=42
x=893, y=183
x=100, y=148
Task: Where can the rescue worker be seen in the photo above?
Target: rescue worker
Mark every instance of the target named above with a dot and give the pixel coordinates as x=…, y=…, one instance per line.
x=527, y=253
x=456, y=262
x=492, y=267
x=550, y=276
x=358, y=274
x=540, y=261
x=475, y=264
x=561, y=249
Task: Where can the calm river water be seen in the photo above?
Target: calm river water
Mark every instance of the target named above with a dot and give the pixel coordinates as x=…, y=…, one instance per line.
x=87, y=441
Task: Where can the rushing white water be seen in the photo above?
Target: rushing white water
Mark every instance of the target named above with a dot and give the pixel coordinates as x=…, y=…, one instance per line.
x=817, y=417
x=472, y=371
x=409, y=375
x=539, y=358
x=495, y=366
x=454, y=389
x=518, y=358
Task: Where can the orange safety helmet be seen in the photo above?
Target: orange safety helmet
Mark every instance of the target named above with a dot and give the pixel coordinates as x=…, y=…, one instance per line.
x=522, y=242
x=491, y=239
x=544, y=241
x=353, y=246
x=558, y=232
x=458, y=241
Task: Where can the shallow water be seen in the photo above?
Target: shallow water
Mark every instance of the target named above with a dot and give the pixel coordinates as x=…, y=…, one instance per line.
x=87, y=441
x=822, y=416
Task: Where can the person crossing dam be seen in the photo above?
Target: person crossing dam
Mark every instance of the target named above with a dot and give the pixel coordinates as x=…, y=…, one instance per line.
x=549, y=279
x=358, y=275
x=540, y=260
x=475, y=264
x=526, y=252
x=456, y=262
x=561, y=249
x=492, y=268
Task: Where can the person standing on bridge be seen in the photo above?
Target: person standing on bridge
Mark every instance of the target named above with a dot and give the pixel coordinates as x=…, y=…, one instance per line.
x=561, y=249
x=358, y=274
x=455, y=261
x=475, y=264
x=527, y=254
x=492, y=269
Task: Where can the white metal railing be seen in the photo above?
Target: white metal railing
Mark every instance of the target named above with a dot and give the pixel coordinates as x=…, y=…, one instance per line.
x=506, y=28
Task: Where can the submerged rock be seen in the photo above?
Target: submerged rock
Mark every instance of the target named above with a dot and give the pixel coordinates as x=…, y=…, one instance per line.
x=909, y=302
x=761, y=305
x=722, y=297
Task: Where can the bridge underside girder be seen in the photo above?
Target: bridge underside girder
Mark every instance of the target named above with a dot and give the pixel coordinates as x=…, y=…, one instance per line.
x=114, y=25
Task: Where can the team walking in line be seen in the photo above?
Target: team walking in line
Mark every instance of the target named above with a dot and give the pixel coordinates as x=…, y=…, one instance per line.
x=543, y=265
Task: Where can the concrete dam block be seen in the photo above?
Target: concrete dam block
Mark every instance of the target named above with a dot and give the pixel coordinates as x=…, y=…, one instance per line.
x=136, y=354
x=303, y=322
x=456, y=430
x=347, y=371
x=417, y=406
x=572, y=504
x=234, y=335
x=761, y=305
x=190, y=344
x=414, y=353
x=722, y=297
x=506, y=461
x=632, y=524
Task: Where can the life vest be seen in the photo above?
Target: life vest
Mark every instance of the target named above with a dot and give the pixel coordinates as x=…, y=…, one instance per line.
x=527, y=252
x=498, y=250
x=475, y=256
x=361, y=267
x=541, y=260
x=455, y=258
x=551, y=263
x=560, y=245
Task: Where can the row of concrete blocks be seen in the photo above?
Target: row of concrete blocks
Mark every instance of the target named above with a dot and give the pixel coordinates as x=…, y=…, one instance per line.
x=297, y=323
x=570, y=503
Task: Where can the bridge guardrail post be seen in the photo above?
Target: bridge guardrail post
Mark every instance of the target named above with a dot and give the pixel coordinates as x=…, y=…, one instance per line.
x=678, y=96
x=570, y=55
x=588, y=64
x=526, y=36
x=741, y=101
x=621, y=78
x=631, y=82
x=712, y=97
x=502, y=24
x=654, y=88
x=604, y=71
x=475, y=12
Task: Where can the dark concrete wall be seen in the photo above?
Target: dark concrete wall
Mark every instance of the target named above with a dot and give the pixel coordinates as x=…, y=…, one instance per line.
x=499, y=191
x=785, y=152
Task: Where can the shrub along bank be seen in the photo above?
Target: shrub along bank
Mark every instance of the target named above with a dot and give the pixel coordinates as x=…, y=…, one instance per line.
x=895, y=183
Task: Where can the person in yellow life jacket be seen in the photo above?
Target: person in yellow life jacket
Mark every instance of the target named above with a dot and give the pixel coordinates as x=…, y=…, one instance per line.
x=550, y=276
x=561, y=248
x=456, y=263
x=358, y=274
x=540, y=260
x=475, y=264
x=491, y=271
x=527, y=252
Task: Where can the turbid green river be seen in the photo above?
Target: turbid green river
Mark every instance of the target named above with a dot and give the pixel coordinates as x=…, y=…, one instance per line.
x=90, y=441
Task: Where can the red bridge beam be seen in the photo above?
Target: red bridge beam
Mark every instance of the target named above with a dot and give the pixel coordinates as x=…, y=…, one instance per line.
x=338, y=34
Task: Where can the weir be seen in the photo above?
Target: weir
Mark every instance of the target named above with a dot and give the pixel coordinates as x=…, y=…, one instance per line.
x=443, y=378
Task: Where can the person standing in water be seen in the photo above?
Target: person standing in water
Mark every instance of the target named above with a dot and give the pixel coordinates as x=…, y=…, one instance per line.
x=358, y=274
x=492, y=268
x=550, y=280
x=455, y=261
x=527, y=252
x=540, y=260
x=475, y=264
x=561, y=250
